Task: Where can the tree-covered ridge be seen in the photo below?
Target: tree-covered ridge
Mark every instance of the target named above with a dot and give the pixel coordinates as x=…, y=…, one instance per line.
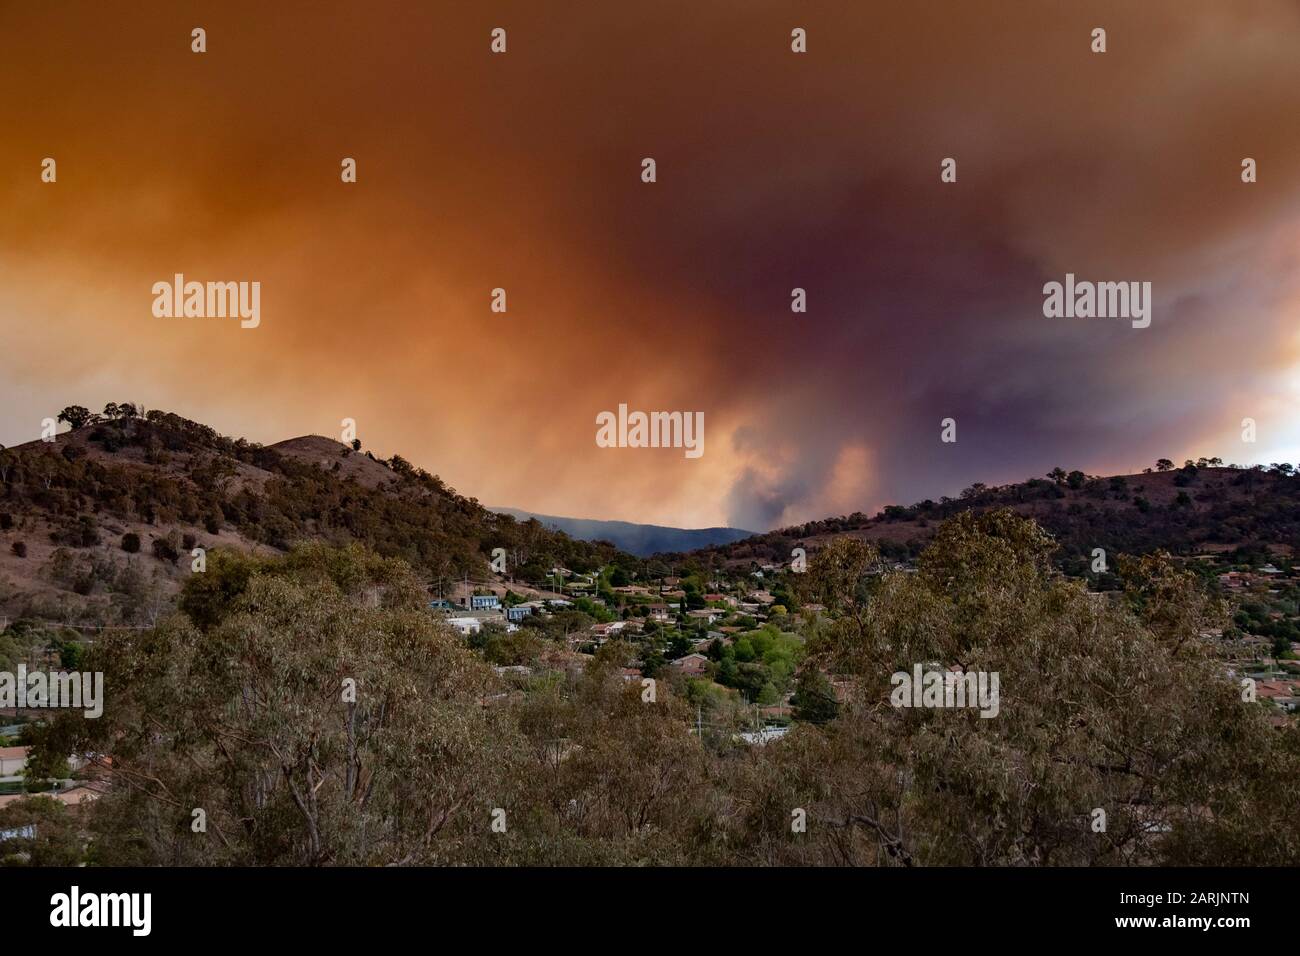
x=1203, y=504
x=174, y=474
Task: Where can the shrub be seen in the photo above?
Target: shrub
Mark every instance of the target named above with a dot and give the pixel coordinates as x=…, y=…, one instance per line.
x=82, y=533
x=130, y=542
x=164, y=550
x=20, y=548
x=87, y=530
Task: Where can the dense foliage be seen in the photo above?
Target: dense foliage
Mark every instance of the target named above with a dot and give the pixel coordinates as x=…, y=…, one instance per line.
x=237, y=705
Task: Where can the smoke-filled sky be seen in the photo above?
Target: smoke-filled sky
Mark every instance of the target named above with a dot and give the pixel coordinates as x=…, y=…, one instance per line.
x=775, y=170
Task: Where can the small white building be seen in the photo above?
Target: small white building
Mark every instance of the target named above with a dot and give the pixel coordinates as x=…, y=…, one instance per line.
x=466, y=625
x=765, y=736
x=12, y=761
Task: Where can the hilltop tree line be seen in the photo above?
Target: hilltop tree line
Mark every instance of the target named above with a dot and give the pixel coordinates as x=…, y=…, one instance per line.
x=1215, y=503
x=197, y=480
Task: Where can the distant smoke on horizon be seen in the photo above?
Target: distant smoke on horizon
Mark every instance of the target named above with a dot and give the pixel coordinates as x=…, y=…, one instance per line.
x=775, y=171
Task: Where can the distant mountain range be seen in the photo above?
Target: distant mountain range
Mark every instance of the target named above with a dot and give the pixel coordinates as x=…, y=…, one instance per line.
x=642, y=540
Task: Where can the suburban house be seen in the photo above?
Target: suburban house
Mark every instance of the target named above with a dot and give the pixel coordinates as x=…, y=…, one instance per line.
x=484, y=602
x=466, y=625
x=520, y=611
x=1281, y=692
x=763, y=737
x=657, y=612
x=692, y=665
x=603, y=632
x=73, y=796
x=12, y=761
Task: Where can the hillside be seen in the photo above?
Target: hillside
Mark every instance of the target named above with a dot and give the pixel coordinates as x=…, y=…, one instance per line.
x=1184, y=510
x=97, y=526
x=642, y=540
